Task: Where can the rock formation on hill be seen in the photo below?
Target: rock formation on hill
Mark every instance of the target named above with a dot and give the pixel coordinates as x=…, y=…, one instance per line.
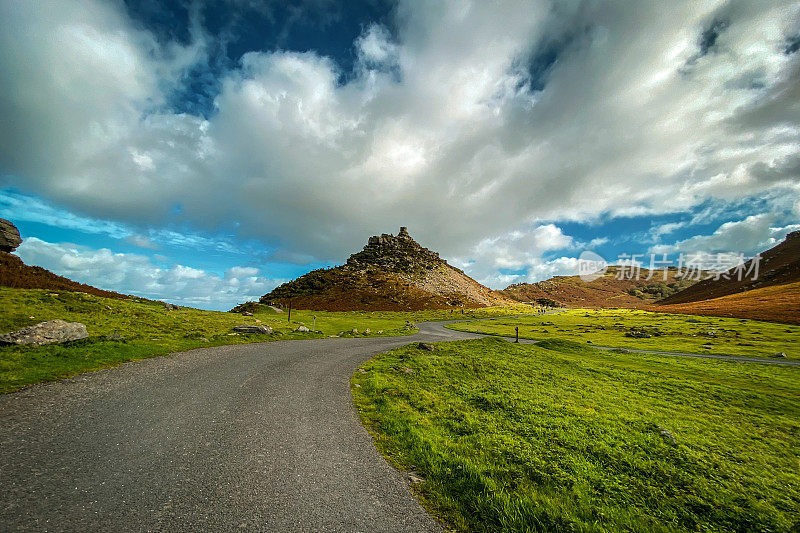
x=9, y=236
x=391, y=273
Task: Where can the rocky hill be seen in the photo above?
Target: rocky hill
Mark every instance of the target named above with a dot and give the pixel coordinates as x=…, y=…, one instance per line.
x=606, y=291
x=391, y=273
x=16, y=274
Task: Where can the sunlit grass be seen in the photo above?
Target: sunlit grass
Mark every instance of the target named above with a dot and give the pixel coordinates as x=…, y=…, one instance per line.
x=562, y=437
x=682, y=333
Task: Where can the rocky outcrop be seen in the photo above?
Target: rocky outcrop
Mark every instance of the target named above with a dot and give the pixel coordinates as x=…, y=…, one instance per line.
x=250, y=328
x=46, y=333
x=395, y=254
x=391, y=273
x=9, y=236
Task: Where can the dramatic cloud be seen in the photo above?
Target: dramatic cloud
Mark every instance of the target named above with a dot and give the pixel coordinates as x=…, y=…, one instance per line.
x=749, y=236
x=136, y=274
x=476, y=124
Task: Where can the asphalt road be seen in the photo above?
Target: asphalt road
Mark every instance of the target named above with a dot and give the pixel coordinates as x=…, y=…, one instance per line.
x=255, y=437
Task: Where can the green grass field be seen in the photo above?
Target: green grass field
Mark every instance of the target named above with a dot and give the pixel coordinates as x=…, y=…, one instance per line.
x=679, y=333
x=563, y=437
x=147, y=329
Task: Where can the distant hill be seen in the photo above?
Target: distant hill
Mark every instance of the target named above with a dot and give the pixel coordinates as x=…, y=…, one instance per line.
x=774, y=303
x=773, y=296
x=389, y=274
x=606, y=291
x=16, y=274
x=779, y=265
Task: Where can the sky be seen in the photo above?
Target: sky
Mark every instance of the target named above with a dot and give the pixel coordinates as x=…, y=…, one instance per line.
x=203, y=152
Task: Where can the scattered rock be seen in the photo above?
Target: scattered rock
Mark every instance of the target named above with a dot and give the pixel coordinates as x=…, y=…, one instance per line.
x=779, y=355
x=357, y=386
x=114, y=337
x=637, y=335
x=407, y=370
x=426, y=346
x=203, y=339
x=362, y=371
x=46, y=333
x=666, y=435
x=9, y=236
x=167, y=306
x=250, y=328
x=247, y=313
x=302, y=329
x=354, y=331
x=415, y=478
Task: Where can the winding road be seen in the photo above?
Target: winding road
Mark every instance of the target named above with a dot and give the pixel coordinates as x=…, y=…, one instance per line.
x=254, y=437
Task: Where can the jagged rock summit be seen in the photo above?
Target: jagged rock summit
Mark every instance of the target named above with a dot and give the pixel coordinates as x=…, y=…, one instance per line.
x=391, y=273
x=10, y=238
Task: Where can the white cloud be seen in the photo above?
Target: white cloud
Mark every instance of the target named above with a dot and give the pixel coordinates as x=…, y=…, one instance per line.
x=441, y=127
x=755, y=233
x=136, y=274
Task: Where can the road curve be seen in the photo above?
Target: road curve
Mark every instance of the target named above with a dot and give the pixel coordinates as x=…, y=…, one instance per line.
x=254, y=437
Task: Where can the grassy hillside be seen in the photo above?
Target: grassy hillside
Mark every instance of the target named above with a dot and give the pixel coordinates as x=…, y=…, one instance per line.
x=146, y=329
x=691, y=334
x=562, y=437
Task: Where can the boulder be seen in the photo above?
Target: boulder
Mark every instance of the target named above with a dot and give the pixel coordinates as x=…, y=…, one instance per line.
x=426, y=346
x=250, y=328
x=247, y=313
x=302, y=329
x=9, y=236
x=46, y=333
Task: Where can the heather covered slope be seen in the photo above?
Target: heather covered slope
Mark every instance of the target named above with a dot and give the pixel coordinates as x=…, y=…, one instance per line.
x=774, y=303
x=389, y=274
x=779, y=265
x=16, y=274
x=606, y=291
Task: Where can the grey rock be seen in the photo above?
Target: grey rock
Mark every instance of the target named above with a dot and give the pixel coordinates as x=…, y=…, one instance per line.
x=302, y=329
x=426, y=346
x=9, y=236
x=46, y=333
x=114, y=337
x=250, y=328
x=638, y=335
x=666, y=435
x=779, y=354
